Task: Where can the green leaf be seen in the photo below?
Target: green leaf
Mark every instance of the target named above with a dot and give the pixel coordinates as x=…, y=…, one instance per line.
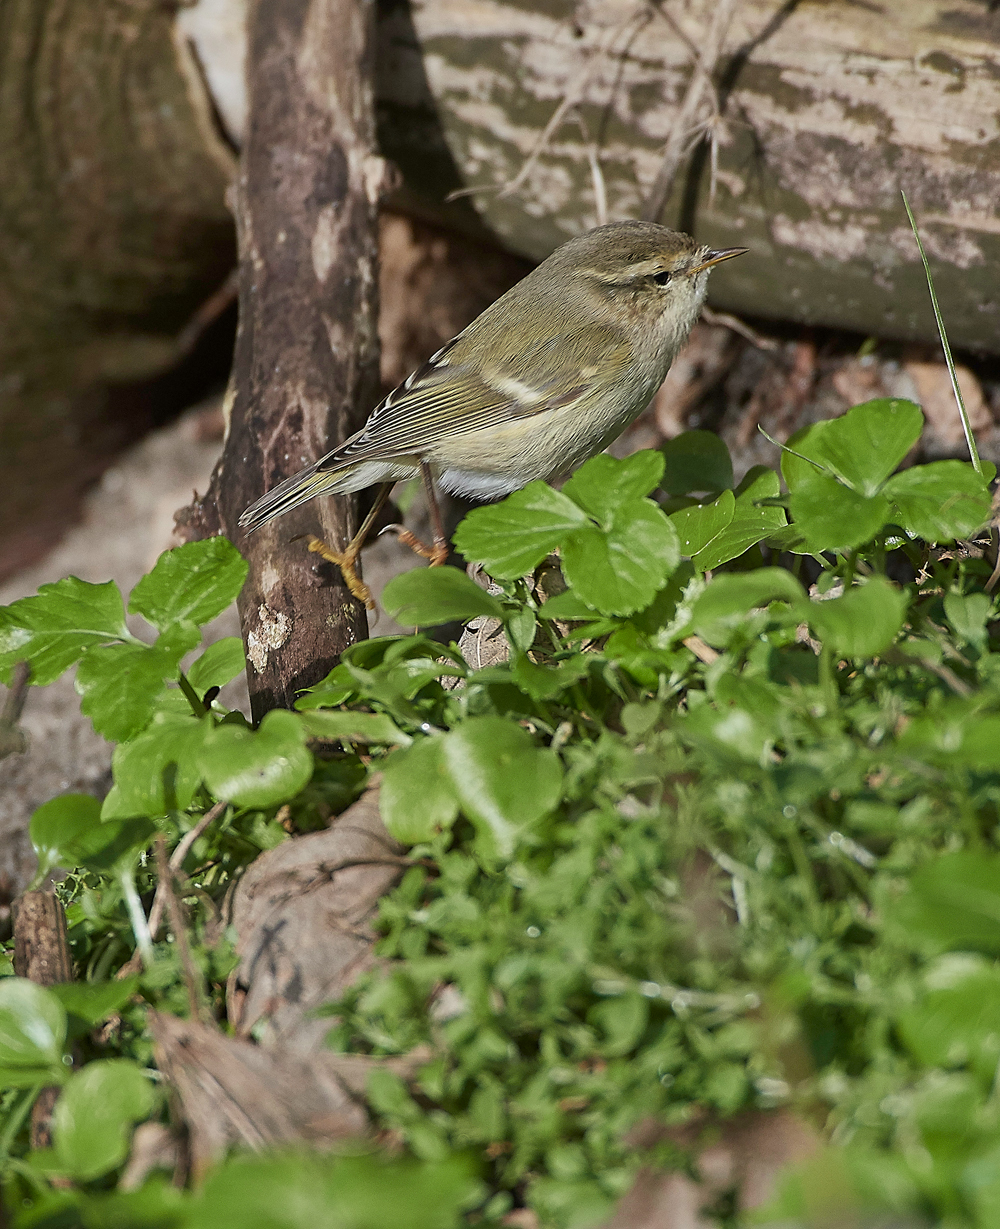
x=93, y=1118
x=831, y=516
x=91, y=1002
x=192, y=583
x=968, y=616
x=953, y=903
x=699, y=525
x=512, y=538
x=862, y=623
x=301, y=1190
x=604, y=483
x=548, y=681
x=218, y=665
x=257, y=768
x=865, y=445
x=52, y=630
x=521, y=628
x=954, y=736
x=696, y=461
x=425, y=597
x=954, y=1021
x=939, y=502
x=417, y=798
x=159, y=770
x=351, y=727
x=749, y=524
x=621, y=570
x=119, y=685
x=56, y=828
x=732, y=596
x=505, y=783
x=112, y=846
x=32, y=1035
x=567, y=606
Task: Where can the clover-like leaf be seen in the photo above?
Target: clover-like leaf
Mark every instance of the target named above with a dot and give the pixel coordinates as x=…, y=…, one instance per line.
x=621, y=570
x=831, y=516
x=604, y=483
x=159, y=770
x=939, y=502
x=503, y=781
x=57, y=827
x=750, y=523
x=861, y=448
x=93, y=1118
x=52, y=630
x=511, y=538
x=733, y=595
x=426, y=597
x=417, y=798
x=257, y=768
x=119, y=685
x=863, y=622
x=32, y=1035
x=696, y=461
x=701, y=524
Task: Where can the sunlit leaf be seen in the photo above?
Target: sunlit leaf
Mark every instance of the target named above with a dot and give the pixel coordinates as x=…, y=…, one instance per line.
x=192, y=583
x=257, y=768
x=512, y=538
x=52, y=630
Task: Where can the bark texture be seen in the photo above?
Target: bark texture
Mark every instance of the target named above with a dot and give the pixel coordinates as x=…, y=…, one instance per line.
x=306, y=365
x=113, y=228
x=41, y=954
x=827, y=110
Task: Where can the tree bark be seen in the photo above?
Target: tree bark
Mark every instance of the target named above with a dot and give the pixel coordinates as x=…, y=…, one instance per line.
x=113, y=228
x=305, y=371
x=41, y=954
x=827, y=110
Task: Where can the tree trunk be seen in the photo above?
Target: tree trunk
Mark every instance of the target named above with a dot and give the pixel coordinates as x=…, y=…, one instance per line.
x=306, y=363
x=113, y=229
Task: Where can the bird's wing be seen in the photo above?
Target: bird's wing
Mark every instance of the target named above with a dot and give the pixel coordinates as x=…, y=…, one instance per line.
x=448, y=395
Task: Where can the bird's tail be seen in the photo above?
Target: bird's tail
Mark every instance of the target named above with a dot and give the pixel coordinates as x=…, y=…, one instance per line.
x=318, y=479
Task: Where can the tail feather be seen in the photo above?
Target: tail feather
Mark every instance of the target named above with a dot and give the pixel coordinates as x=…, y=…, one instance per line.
x=298, y=489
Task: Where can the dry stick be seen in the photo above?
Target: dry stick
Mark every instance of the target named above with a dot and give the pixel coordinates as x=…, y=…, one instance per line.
x=192, y=978
x=738, y=326
x=596, y=174
x=686, y=124
x=160, y=898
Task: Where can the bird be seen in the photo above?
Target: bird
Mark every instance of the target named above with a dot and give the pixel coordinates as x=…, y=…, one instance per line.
x=545, y=378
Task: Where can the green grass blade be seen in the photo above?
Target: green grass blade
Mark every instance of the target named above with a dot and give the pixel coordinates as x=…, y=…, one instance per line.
x=970, y=439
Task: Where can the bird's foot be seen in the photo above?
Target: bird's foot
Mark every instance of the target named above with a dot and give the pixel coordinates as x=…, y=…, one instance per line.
x=346, y=561
x=437, y=554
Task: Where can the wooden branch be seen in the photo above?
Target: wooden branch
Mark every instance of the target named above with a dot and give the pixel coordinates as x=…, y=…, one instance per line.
x=305, y=372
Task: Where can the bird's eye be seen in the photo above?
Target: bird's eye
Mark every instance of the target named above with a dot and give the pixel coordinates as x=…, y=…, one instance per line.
x=662, y=277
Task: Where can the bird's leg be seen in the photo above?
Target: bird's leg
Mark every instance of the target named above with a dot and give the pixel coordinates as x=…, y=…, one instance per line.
x=438, y=553
x=348, y=557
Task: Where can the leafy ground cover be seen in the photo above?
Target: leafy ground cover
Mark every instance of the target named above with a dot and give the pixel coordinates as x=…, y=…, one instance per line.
x=720, y=834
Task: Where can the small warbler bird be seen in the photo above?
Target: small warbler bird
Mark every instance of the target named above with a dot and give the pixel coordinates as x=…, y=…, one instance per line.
x=545, y=378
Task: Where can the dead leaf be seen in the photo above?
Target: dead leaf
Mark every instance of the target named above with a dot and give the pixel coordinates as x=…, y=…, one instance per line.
x=303, y=912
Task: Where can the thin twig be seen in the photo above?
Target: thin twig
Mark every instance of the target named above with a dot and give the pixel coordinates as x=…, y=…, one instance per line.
x=686, y=124
x=192, y=977
x=596, y=174
x=160, y=898
x=738, y=326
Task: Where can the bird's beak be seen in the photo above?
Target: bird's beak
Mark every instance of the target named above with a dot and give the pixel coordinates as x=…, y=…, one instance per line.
x=715, y=258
